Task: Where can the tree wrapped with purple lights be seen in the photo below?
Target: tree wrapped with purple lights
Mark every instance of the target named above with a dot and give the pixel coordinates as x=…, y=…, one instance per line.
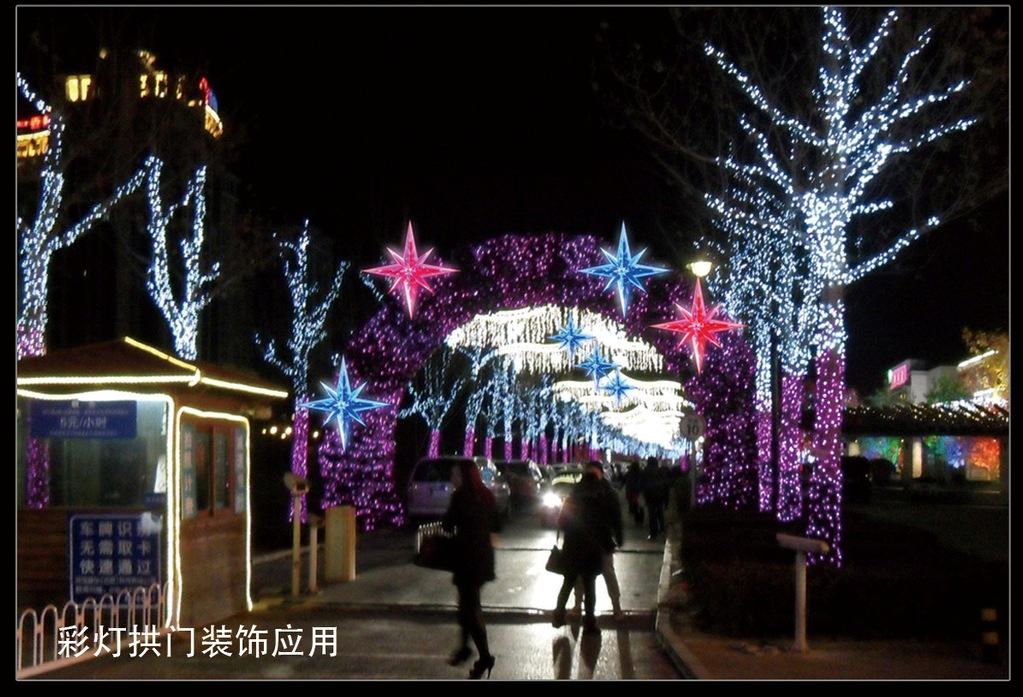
x=723, y=392
x=511, y=271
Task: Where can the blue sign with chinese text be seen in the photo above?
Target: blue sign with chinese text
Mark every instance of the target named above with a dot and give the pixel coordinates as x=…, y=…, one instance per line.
x=75, y=418
x=113, y=552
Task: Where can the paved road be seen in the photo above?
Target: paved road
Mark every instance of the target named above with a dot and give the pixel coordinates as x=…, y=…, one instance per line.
x=396, y=621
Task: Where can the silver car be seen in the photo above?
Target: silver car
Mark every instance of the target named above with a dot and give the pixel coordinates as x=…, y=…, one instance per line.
x=430, y=488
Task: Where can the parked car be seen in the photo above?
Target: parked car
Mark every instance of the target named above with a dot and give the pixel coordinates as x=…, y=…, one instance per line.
x=525, y=479
x=856, y=484
x=555, y=493
x=429, y=488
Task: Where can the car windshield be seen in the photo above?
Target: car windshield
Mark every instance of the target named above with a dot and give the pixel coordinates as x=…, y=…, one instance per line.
x=434, y=471
x=567, y=477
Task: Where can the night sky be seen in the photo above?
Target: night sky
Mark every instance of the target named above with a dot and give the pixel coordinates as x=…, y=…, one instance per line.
x=475, y=122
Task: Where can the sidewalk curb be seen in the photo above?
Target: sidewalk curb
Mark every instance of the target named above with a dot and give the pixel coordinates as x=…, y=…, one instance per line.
x=684, y=661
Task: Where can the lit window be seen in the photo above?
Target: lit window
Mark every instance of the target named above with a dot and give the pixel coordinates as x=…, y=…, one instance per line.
x=77, y=87
x=161, y=84
x=143, y=85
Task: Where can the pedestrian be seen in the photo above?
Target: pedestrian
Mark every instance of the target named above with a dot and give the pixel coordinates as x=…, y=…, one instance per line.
x=586, y=522
x=655, y=496
x=633, y=490
x=472, y=516
x=610, y=541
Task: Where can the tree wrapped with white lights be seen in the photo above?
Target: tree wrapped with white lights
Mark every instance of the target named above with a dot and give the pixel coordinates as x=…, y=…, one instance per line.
x=825, y=165
x=38, y=240
x=769, y=284
x=181, y=309
x=433, y=395
x=308, y=317
x=48, y=232
x=478, y=359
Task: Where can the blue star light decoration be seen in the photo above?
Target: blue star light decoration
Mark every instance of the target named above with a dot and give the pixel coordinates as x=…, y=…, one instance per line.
x=596, y=366
x=624, y=271
x=344, y=404
x=617, y=386
x=570, y=337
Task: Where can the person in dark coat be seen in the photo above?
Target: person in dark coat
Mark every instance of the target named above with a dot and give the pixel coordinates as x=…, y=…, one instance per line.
x=655, y=496
x=633, y=490
x=586, y=523
x=472, y=515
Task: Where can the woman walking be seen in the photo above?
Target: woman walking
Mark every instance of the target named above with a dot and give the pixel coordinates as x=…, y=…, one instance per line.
x=586, y=524
x=472, y=516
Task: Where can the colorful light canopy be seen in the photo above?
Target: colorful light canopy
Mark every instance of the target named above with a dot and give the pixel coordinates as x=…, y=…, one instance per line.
x=410, y=271
x=699, y=325
x=343, y=404
x=624, y=270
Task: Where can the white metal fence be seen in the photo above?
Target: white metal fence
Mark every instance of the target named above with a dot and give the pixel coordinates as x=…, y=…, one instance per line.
x=45, y=640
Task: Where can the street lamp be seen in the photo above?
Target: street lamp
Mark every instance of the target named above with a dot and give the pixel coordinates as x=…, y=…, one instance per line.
x=701, y=267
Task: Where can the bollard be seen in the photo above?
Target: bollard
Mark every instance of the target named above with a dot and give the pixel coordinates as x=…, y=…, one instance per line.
x=296, y=544
x=989, y=634
x=801, y=545
x=315, y=522
x=339, y=553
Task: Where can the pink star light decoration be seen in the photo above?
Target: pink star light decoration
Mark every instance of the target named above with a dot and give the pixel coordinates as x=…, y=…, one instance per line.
x=698, y=326
x=410, y=271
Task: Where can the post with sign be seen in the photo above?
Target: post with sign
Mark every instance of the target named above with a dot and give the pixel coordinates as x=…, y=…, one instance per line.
x=692, y=430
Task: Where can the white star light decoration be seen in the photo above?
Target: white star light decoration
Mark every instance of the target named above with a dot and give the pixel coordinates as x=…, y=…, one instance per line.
x=624, y=270
x=344, y=404
x=410, y=271
x=570, y=337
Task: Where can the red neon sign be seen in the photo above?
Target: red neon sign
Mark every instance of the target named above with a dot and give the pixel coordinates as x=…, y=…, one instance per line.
x=35, y=123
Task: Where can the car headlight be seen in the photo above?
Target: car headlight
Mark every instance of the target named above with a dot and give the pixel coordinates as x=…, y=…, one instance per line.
x=551, y=500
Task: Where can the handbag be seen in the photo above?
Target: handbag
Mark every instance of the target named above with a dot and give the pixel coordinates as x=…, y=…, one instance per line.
x=556, y=562
x=436, y=551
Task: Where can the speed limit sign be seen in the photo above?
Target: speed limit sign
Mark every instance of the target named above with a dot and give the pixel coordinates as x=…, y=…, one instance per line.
x=692, y=426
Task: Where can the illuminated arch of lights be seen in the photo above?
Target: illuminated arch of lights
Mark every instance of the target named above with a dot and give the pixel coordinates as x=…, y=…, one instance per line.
x=515, y=273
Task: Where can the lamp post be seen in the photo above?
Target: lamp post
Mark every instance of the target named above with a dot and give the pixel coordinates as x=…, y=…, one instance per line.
x=695, y=426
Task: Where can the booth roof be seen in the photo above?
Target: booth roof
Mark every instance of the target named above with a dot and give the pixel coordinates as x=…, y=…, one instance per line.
x=128, y=361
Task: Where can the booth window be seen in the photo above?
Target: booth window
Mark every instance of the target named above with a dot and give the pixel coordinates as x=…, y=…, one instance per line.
x=122, y=469
x=207, y=467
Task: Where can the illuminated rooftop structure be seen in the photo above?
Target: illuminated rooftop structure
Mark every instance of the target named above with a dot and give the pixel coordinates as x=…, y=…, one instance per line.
x=33, y=132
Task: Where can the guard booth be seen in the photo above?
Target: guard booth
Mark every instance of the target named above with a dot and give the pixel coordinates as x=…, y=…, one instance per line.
x=133, y=469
